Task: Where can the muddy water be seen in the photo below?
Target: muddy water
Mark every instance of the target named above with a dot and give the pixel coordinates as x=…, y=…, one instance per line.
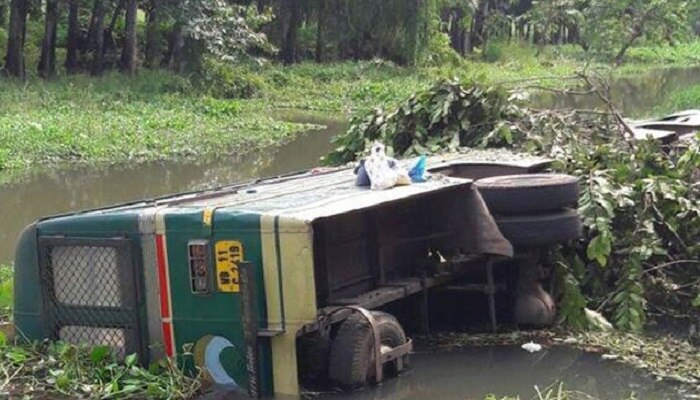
x=81, y=188
x=474, y=373
x=636, y=96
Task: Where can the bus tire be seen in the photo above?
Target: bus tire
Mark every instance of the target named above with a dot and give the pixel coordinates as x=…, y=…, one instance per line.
x=541, y=230
x=352, y=351
x=528, y=193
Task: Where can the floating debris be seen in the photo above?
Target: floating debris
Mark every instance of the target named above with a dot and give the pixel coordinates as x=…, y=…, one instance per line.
x=531, y=347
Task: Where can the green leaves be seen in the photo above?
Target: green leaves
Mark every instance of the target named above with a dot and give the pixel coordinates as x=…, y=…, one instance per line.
x=638, y=202
x=99, y=353
x=599, y=248
x=62, y=370
x=696, y=301
x=448, y=115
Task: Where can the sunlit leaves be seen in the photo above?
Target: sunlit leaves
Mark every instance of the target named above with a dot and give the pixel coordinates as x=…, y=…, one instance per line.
x=227, y=31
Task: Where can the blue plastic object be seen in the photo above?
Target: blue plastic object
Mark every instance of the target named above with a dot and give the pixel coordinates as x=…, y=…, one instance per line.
x=417, y=172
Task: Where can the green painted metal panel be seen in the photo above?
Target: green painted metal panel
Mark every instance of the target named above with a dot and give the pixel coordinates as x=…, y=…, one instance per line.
x=93, y=225
x=28, y=286
x=198, y=315
x=28, y=303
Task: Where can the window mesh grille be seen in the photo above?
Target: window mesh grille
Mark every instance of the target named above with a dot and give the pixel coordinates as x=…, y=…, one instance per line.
x=86, y=276
x=90, y=292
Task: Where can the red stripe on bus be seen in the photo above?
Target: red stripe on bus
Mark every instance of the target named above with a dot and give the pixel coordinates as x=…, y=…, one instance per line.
x=162, y=277
x=164, y=295
x=168, y=339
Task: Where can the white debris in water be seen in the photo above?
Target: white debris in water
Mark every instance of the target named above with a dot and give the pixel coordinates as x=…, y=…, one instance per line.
x=610, y=356
x=597, y=320
x=531, y=347
x=570, y=341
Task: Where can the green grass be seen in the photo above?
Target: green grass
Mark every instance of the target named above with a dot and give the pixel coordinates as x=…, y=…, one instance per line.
x=350, y=86
x=115, y=119
x=5, y=291
x=684, y=99
x=159, y=116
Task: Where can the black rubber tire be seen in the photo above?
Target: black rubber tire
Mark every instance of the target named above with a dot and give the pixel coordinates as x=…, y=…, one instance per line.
x=540, y=230
x=528, y=193
x=350, y=364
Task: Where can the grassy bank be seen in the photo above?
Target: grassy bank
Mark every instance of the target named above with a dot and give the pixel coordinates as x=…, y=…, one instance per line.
x=681, y=100
x=5, y=291
x=160, y=116
x=113, y=119
x=364, y=85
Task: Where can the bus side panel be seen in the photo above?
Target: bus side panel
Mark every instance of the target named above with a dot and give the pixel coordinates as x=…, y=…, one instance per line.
x=28, y=303
x=217, y=313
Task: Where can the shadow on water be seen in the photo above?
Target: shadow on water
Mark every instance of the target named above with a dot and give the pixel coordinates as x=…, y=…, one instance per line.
x=474, y=373
x=636, y=96
x=88, y=187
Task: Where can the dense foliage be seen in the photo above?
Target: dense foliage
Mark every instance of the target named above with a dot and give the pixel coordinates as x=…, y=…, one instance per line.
x=640, y=202
x=127, y=34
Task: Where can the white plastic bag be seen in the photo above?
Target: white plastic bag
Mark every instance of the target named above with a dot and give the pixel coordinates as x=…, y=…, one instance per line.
x=382, y=174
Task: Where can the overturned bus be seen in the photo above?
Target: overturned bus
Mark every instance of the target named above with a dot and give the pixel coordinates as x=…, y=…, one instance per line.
x=271, y=281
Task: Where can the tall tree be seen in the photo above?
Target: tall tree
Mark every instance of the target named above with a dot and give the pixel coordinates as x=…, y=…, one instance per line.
x=412, y=30
x=479, y=31
x=292, y=9
x=130, y=44
x=321, y=21
x=14, y=58
x=97, y=38
x=152, y=35
x=47, y=61
x=73, y=41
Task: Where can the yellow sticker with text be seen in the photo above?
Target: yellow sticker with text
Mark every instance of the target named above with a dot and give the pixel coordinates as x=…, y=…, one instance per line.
x=228, y=254
x=207, y=216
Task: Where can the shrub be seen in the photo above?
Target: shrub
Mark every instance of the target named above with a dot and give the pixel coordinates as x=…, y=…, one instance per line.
x=226, y=81
x=492, y=52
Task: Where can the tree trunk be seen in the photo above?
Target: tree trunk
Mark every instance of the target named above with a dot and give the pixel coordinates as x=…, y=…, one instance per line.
x=636, y=34
x=97, y=37
x=71, y=63
x=479, y=24
x=130, y=44
x=152, y=36
x=457, y=34
x=319, y=30
x=47, y=61
x=14, y=59
x=413, y=9
x=289, y=45
x=176, y=44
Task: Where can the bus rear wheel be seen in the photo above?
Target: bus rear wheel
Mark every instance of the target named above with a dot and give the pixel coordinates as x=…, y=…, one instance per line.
x=351, y=363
